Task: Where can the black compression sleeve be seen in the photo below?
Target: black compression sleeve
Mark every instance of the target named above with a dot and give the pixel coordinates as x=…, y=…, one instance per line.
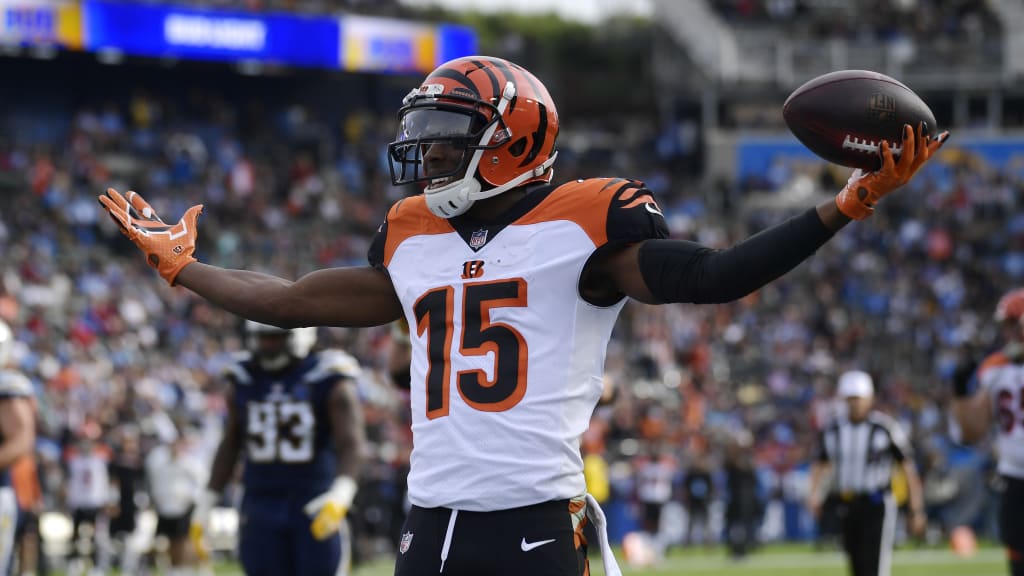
x=682, y=271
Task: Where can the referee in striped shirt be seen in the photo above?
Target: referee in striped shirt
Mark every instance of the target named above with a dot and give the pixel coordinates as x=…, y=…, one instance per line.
x=861, y=448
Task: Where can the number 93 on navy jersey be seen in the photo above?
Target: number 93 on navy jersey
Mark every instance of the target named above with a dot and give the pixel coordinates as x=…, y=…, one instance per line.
x=286, y=429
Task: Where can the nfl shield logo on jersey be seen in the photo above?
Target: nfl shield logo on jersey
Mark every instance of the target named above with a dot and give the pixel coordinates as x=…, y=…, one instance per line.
x=478, y=239
x=403, y=547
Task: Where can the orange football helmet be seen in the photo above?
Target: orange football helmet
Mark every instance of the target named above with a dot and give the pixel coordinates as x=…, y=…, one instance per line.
x=495, y=114
x=1010, y=306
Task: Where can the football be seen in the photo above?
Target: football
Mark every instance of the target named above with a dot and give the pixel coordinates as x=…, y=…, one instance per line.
x=844, y=116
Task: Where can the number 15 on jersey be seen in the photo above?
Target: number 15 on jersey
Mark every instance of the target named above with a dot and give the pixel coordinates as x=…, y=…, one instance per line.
x=479, y=336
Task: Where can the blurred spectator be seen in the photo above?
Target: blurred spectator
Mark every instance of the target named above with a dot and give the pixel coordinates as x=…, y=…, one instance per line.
x=128, y=478
x=697, y=495
x=25, y=480
x=656, y=474
x=88, y=498
x=175, y=478
x=745, y=506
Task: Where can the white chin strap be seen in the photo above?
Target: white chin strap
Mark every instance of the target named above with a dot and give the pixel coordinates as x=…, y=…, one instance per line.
x=452, y=199
x=456, y=197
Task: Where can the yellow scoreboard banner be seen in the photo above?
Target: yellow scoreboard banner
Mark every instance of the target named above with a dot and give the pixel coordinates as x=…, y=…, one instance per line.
x=41, y=23
x=371, y=44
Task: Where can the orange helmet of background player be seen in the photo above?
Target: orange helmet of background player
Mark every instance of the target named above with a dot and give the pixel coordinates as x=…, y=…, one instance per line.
x=1010, y=306
x=496, y=112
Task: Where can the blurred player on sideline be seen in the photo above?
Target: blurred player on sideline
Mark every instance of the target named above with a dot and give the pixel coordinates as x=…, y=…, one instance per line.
x=992, y=392
x=176, y=479
x=511, y=287
x=296, y=416
x=128, y=478
x=25, y=479
x=17, y=440
x=87, y=495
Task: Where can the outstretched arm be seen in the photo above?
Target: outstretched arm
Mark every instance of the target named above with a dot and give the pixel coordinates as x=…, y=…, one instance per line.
x=356, y=296
x=657, y=271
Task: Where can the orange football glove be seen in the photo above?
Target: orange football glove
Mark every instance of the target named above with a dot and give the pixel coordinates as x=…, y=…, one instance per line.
x=168, y=248
x=862, y=191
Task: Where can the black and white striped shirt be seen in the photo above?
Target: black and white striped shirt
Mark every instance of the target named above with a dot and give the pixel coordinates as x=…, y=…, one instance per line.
x=862, y=453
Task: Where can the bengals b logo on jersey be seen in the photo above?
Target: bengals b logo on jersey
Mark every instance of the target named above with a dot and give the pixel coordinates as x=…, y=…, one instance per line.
x=472, y=269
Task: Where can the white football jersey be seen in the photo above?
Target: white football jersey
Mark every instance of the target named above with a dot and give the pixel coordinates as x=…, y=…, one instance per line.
x=88, y=481
x=1004, y=382
x=654, y=479
x=174, y=481
x=507, y=357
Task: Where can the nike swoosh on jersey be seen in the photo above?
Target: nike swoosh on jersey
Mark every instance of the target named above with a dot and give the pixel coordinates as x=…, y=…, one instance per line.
x=652, y=209
x=527, y=546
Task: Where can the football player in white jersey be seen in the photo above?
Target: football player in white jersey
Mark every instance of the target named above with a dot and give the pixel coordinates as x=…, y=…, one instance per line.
x=17, y=439
x=511, y=286
x=992, y=392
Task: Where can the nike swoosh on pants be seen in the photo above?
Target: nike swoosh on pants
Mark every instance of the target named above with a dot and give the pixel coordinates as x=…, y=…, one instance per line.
x=527, y=546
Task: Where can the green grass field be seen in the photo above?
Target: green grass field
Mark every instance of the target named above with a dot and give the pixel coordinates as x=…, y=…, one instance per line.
x=792, y=560
x=773, y=560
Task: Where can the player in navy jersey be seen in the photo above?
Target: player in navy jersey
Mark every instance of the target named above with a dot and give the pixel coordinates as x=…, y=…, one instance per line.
x=295, y=416
x=17, y=439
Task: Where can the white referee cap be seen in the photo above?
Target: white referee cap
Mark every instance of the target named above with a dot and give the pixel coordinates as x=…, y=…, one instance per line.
x=856, y=384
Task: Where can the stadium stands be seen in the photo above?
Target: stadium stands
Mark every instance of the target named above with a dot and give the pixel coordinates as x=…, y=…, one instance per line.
x=293, y=175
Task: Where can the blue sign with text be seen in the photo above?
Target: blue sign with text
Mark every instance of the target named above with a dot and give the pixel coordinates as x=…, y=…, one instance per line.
x=159, y=31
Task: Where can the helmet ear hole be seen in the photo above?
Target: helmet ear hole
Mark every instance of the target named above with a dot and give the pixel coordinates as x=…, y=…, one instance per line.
x=518, y=147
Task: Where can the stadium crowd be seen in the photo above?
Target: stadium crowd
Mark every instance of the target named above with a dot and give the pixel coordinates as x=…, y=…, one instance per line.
x=117, y=358
x=921, y=20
